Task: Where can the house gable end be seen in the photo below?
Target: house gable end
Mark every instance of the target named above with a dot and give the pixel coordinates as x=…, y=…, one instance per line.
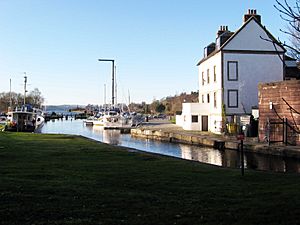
x=252, y=36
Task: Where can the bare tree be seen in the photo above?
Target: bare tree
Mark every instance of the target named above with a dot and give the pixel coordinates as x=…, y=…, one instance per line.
x=16, y=99
x=35, y=98
x=290, y=14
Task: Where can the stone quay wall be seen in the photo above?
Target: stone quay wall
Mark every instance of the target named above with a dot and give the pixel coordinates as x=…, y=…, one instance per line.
x=181, y=138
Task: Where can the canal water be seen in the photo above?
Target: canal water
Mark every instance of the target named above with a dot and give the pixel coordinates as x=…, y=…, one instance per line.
x=225, y=158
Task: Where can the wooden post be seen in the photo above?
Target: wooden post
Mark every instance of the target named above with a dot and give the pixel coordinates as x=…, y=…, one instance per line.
x=242, y=157
x=241, y=138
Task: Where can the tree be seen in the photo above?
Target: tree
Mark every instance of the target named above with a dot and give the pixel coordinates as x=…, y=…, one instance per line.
x=160, y=108
x=10, y=99
x=4, y=101
x=13, y=99
x=154, y=105
x=291, y=14
x=35, y=98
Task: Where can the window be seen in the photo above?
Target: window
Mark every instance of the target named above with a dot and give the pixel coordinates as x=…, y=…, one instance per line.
x=215, y=73
x=232, y=70
x=194, y=118
x=202, y=78
x=207, y=98
x=208, y=76
x=215, y=99
x=232, y=98
x=202, y=98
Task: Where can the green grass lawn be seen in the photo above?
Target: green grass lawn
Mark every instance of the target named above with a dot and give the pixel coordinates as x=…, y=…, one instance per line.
x=59, y=179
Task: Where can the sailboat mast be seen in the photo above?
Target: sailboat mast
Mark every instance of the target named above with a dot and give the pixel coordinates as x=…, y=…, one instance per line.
x=25, y=83
x=128, y=100
x=105, y=95
x=10, y=100
x=128, y=97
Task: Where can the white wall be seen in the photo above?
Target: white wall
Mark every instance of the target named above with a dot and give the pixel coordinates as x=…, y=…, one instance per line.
x=257, y=62
x=185, y=120
x=214, y=113
x=249, y=38
x=252, y=69
x=209, y=64
x=179, y=120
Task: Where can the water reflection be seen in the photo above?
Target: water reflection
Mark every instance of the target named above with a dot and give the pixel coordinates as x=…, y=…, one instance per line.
x=273, y=163
x=207, y=155
x=108, y=136
x=232, y=159
x=227, y=158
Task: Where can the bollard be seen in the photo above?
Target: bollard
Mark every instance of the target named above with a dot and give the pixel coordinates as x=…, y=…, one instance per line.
x=241, y=138
x=242, y=157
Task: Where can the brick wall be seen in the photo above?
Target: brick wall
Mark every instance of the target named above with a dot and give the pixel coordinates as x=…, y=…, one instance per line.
x=275, y=93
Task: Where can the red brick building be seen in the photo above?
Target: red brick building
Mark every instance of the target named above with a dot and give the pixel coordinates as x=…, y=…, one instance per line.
x=279, y=111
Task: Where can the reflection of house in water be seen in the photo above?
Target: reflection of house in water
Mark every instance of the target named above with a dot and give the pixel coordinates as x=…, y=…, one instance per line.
x=231, y=159
x=205, y=155
x=226, y=158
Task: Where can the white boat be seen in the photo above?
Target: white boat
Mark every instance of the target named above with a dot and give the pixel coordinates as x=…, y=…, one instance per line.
x=98, y=121
x=114, y=119
x=89, y=121
x=94, y=120
x=25, y=119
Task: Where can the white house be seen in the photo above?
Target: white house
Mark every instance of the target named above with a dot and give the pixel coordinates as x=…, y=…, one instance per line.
x=229, y=74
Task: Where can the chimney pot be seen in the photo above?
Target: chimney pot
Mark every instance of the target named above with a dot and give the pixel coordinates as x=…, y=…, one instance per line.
x=252, y=13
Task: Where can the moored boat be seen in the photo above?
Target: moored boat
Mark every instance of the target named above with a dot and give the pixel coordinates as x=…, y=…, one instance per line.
x=114, y=119
x=25, y=119
x=3, y=123
x=94, y=120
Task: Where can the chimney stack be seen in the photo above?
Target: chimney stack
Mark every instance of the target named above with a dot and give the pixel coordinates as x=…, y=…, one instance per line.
x=221, y=30
x=252, y=13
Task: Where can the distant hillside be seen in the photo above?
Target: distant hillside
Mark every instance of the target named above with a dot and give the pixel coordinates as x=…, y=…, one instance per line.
x=173, y=104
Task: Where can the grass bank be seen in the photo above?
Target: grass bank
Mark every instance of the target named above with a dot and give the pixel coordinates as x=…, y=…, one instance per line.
x=60, y=179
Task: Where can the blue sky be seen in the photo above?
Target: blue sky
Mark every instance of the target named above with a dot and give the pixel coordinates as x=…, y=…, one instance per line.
x=155, y=44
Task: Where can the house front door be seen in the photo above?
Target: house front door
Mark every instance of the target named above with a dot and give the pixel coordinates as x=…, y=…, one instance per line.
x=204, y=121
